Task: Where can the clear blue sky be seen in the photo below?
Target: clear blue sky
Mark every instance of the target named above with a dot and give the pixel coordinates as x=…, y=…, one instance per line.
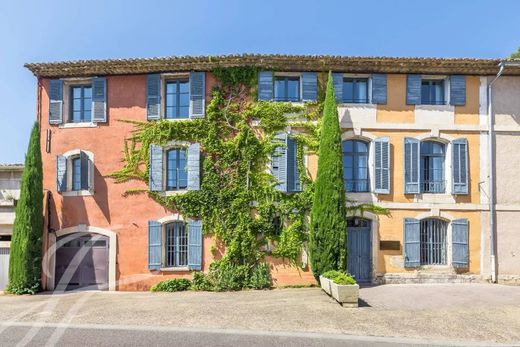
x=42, y=31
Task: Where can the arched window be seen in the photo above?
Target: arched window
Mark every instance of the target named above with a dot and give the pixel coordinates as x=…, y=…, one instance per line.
x=176, y=169
x=176, y=245
x=432, y=167
x=355, y=166
x=433, y=241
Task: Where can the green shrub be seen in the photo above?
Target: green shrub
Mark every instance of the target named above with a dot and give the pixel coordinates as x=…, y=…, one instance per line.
x=201, y=281
x=331, y=274
x=260, y=277
x=344, y=279
x=172, y=285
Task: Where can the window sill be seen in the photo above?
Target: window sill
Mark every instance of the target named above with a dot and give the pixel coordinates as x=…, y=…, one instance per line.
x=427, y=107
x=78, y=193
x=356, y=104
x=172, y=192
x=78, y=125
x=175, y=269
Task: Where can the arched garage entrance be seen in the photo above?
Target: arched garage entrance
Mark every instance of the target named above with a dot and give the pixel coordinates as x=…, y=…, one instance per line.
x=82, y=261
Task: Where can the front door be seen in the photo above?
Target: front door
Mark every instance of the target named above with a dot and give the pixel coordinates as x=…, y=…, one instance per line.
x=359, y=248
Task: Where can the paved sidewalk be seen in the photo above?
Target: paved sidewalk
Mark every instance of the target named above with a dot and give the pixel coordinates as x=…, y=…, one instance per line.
x=457, y=312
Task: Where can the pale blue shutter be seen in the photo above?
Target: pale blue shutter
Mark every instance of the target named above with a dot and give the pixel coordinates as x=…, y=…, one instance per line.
x=265, y=86
x=195, y=244
x=279, y=162
x=412, y=243
x=154, y=245
x=458, y=90
x=156, y=168
x=411, y=165
x=382, y=165
x=413, y=89
x=459, y=240
x=61, y=173
x=293, y=175
x=84, y=170
x=459, y=166
x=337, y=80
x=310, y=86
x=194, y=166
x=55, y=101
x=379, y=89
x=99, y=99
x=153, y=96
x=197, y=94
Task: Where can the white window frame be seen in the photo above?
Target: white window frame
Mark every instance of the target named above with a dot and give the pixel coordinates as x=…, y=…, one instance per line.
x=369, y=87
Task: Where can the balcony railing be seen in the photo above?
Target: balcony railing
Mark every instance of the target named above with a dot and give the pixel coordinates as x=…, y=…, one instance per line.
x=431, y=186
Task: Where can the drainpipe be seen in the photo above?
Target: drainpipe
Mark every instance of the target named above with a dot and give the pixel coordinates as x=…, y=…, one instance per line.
x=491, y=160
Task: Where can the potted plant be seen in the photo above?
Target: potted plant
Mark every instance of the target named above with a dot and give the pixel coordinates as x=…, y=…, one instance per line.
x=342, y=287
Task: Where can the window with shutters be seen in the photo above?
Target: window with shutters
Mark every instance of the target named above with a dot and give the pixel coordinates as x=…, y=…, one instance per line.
x=176, y=169
x=176, y=245
x=75, y=173
x=355, y=90
x=433, y=92
x=80, y=104
x=433, y=156
x=355, y=166
x=433, y=249
x=287, y=88
x=177, y=99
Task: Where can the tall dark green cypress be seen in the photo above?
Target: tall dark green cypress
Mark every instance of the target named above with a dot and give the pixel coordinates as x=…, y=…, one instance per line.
x=26, y=244
x=328, y=224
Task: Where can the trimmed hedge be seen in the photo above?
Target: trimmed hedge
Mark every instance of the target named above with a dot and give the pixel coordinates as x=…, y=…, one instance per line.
x=172, y=285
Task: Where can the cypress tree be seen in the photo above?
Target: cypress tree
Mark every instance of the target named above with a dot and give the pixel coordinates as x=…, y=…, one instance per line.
x=26, y=243
x=327, y=244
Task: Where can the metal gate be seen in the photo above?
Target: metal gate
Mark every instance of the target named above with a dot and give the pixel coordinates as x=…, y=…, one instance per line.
x=82, y=262
x=359, y=248
x=4, y=267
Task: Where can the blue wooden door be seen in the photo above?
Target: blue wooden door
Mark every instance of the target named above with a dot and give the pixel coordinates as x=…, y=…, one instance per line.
x=359, y=248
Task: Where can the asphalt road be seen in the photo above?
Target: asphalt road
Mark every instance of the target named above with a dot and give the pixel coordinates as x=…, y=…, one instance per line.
x=38, y=334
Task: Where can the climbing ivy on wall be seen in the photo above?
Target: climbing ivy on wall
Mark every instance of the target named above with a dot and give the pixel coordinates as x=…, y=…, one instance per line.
x=237, y=201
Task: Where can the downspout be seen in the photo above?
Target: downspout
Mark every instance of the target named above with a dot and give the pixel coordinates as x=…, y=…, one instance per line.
x=491, y=161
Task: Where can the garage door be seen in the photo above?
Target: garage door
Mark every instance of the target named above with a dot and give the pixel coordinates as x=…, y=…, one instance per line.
x=4, y=267
x=82, y=262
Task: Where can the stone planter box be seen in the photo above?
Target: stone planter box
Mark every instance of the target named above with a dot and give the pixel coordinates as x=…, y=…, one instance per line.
x=325, y=284
x=346, y=295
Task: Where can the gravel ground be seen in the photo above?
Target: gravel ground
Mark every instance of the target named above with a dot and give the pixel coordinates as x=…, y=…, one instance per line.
x=458, y=312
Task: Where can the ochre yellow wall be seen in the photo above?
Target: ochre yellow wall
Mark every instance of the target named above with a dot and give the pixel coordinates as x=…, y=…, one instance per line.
x=469, y=113
x=396, y=110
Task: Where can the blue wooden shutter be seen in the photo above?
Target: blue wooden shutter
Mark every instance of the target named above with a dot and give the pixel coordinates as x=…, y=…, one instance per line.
x=84, y=170
x=197, y=94
x=154, y=245
x=411, y=165
x=61, y=173
x=337, y=79
x=99, y=99
x=195, y=244
x=413, y=89
x=293, y=175
x=194, y=166
x=459, y=240
x=382, y=165
x=310, y=86
x=379, y=89
x=459, y=166
x=156, y=168
x=412, y=243
x=55, y=101
x=458, y=90
x=265, y=86
x=279, y=162
x=153, y=96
